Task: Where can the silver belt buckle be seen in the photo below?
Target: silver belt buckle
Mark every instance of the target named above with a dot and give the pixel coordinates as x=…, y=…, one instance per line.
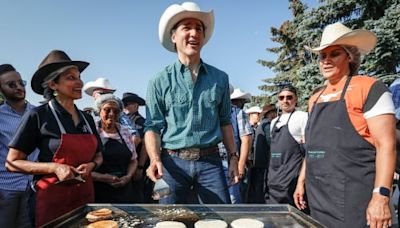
x=191, y=154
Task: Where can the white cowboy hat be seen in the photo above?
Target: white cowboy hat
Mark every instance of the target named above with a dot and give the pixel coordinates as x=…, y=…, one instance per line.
x=254, y=109
x=239, y=94
x=175, y=13
x=338, y=34
x=100, y=83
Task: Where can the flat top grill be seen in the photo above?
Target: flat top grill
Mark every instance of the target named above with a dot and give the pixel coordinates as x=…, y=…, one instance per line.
x=147, y=215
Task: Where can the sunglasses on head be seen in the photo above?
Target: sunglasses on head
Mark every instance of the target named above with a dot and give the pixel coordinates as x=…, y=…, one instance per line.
x=14, y=84
x=288, y=97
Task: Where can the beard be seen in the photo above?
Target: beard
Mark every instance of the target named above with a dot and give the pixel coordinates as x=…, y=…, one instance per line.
x=14, y=97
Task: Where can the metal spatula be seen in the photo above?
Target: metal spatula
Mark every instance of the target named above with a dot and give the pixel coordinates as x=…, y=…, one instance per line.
x=161, y=190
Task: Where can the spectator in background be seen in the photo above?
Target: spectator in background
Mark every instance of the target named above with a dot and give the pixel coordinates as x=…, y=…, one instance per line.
x=14, y=187
x=258, y=191
x=67, y=139
x=243, y=135
x=395, y=89
x=287, y=137
x=103, y=86
x=113, y=179
x=131, y=109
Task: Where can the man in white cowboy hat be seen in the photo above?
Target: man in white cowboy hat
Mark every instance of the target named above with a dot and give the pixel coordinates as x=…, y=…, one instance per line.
x=102, y=86
x=350, y=137
x=242, y=134
x=188, y=112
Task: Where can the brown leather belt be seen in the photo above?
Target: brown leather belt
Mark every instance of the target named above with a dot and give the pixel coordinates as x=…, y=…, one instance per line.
x=193, y=154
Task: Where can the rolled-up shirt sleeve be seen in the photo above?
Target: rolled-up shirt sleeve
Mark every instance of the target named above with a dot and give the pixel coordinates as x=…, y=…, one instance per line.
x=225, y=105
x=155, y=112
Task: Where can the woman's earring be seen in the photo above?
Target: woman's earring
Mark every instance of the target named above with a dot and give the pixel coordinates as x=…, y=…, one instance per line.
x=55, y=93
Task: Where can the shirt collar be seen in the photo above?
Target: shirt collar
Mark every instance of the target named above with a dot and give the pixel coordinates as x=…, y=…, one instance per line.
x=181, y=67
x=8, y=108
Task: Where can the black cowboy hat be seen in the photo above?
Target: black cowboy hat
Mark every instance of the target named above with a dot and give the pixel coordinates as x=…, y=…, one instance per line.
x=55, y=60
x=131, y=97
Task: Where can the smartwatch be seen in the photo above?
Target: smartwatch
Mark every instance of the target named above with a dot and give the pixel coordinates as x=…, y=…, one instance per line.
x=382, y=191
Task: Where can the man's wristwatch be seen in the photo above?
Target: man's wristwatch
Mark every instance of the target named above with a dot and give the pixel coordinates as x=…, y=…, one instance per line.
x=382, y=191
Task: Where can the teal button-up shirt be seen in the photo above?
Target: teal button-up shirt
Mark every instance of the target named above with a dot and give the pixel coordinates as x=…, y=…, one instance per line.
x=188, y=114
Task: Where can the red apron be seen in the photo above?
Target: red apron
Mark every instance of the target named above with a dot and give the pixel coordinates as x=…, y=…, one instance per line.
x=54, y=200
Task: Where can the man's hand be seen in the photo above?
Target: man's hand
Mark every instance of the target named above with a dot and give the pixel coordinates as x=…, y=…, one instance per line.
x=241, y=169
x=378, y=211
x=233, y=171
x=155, y=171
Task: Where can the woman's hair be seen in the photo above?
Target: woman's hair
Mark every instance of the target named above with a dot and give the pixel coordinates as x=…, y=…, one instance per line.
x=355, y=58
x=48, y=93
x=106, y=98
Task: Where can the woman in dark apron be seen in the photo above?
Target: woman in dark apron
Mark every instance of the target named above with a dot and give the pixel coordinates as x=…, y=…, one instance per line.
x=350, y=145
x=67, y=140
x=113, y=179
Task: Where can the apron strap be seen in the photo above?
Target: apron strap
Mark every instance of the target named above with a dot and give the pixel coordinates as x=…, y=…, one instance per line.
x=60, y=126
x=345, y=87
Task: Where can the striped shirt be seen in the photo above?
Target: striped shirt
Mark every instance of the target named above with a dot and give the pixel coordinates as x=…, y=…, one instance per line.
x=241, y=127
x=189, y=114
x=9, y=122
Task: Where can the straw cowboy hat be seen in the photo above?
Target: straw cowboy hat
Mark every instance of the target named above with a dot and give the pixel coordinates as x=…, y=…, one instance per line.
x=239, y=94
x=100, y=83
x=175, y=13
x=254, y=109
x=132, y=97
x=55, y=60
x=338, y=34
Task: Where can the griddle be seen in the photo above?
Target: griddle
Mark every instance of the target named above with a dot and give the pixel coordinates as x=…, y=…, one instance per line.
x=147, y=215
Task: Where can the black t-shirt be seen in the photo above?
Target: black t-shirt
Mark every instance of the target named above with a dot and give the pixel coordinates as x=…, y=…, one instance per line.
x=39, y=129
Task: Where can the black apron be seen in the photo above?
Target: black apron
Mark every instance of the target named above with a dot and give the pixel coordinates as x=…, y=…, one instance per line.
x=284, y=167
x=116, y=159
x=340, y=166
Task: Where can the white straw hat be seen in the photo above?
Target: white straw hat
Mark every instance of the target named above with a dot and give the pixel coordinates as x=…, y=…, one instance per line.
x=100, y=83
x=239, y=94
x=175, y=13
x=254, y=109
x=338, y=34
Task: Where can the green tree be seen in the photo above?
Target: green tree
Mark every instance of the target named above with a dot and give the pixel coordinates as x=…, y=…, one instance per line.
x=299, y=67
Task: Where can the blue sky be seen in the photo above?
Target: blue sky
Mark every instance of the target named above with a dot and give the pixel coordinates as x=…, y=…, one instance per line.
x=120, y=39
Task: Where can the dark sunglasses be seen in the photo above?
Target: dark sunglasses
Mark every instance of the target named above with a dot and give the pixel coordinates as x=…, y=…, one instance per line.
x=14, y=84
x=288, y=97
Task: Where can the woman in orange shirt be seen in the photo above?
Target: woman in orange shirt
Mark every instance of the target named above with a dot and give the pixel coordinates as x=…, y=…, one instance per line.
x=350, y=144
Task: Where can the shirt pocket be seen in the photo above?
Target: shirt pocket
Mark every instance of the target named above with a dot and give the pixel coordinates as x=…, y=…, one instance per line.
x=177, y=106
x=214, y=96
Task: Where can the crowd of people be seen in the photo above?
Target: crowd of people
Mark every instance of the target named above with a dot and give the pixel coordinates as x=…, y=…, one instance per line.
x=335, y=162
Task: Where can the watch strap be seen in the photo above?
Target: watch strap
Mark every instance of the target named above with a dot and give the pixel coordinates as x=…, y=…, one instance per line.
x=382, y=191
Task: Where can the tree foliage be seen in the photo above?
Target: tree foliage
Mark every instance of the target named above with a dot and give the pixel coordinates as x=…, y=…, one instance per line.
x=297, y=66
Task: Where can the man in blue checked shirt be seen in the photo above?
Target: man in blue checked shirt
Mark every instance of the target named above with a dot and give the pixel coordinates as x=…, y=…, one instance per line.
x=14, y=187
x=188, y=113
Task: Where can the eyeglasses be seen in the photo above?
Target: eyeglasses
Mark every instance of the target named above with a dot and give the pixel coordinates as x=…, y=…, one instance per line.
x=288, y=97
x=14, y=84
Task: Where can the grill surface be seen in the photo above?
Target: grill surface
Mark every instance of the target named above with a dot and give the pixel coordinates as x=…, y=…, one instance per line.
x=147, y=215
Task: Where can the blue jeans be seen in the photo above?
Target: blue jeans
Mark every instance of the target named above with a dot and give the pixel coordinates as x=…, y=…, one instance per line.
x=234, y=190
x=203, y=178
x=14, y=209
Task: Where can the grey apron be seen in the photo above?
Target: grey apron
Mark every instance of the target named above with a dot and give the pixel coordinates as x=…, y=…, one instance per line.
x=285, y=163
x=340, y=166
